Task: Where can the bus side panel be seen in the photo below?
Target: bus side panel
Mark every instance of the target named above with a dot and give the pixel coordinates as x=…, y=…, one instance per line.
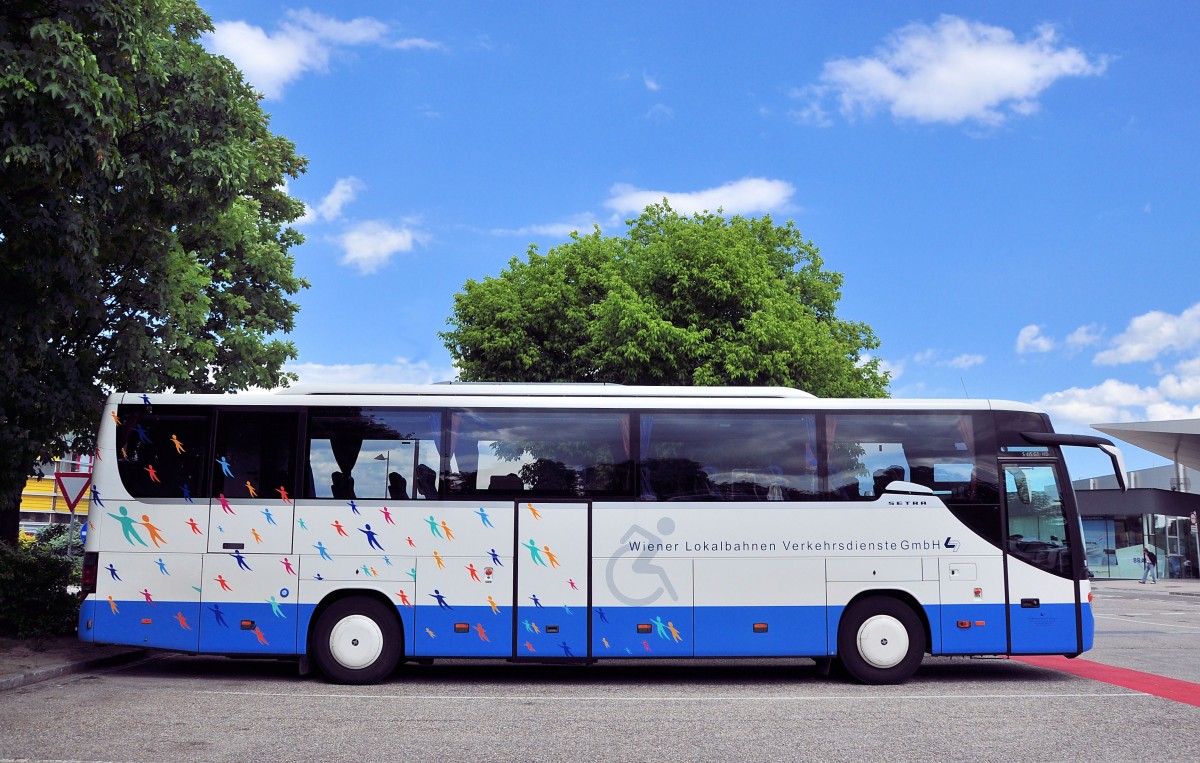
x=1050, y=626
x=642, y=607
x=148, y=600
x=760, y=607
x=249, y=605
x=972, y=616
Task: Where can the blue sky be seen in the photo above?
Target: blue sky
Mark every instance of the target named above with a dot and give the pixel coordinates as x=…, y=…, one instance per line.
x=1010, y=189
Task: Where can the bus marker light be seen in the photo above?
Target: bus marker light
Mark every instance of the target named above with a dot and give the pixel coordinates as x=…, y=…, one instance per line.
x=978, y=593
x=247, y=625
x=1089, y=597
x=964, y=623
x=461, y=628
x=980, y=623
x=147, y=621
x=760, y=627
x=643, y=628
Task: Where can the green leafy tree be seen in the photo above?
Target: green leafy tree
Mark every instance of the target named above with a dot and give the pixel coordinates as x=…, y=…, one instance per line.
x=143, y=222
x=700, y=300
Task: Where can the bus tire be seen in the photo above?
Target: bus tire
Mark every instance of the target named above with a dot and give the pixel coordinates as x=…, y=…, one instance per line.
x=357, y=641
x=880, y=640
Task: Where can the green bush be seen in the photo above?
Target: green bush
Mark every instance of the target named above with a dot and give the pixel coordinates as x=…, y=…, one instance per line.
x=34, y=601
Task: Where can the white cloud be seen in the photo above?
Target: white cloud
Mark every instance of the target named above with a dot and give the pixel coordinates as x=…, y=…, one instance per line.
x=400, y=371
x=582, y=223
x=302, y=43
x=1084, y=336
x=963, y=362
x=370, y=245
x=1110, y=401
x=1151, y=335
x=344, y=191
x=1031, y=339
x=651, y=83
x=746, y=196
x=951, y=72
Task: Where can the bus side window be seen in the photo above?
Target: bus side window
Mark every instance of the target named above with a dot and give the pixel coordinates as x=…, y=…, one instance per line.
x=162, y=452
x=255, y=454
x=373, y=454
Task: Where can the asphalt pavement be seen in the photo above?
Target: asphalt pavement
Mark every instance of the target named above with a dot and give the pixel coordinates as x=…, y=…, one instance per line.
x=30, y=661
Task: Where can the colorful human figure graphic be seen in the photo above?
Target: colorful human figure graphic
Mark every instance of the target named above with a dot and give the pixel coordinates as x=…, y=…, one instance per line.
x=605, y=642
x=441, y=599
x=536, y=601
x=287, y=565
x=300, y=521
x=528, y=626
x=533, y=510
x=96, y=497
x=646, y=645
x=114, y=417
x=257, y=537
x=112, y=571
x=162, y=566
x=216, y=610
x=270, y=517
x=262, y=638
x=433, y=527
x=482, y=633
x=410, y=542
x=404, y=597
x=534, y=553
x=324, y=551
x=283, y=494
x=367, y=571
x=550, y=557
x=141, y=433
x=225, y=466
x=155, y=535
x=337, y=525
x=128, y=526
x=474, y=573
x=387, y=515
x=187, y=492
x=492, y=603
x=146, y=592
x=241, y=560
x=178, y=445
x=387, y=560
x=153, y=474
x=446, y=529
x=250, y=489
x=112, y=604
x=659, y=627
x=412, y=573
x=431, y=633
x=195, y=527
x=674, y=633
x=372, y=537
x=483, y=516
x=353, y=507
x=225, y=507
x=223, y=582
x=600, y=613
x=566, y=649
x=571, y=582
x=437, y=558
x=146, y=402
x=529, y=646
x=183, y=623
x=275, y=610
x=495, y=558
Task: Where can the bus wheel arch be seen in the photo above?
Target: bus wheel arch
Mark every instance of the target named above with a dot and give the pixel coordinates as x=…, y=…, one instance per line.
x=356, y=638
x=882, y=637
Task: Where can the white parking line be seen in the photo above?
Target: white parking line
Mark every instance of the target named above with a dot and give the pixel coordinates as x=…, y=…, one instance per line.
x=656, y=698
x=1125, y=619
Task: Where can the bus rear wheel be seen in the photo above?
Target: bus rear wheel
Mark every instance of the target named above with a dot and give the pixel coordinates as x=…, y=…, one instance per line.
x=880, y=640
x=357, y=641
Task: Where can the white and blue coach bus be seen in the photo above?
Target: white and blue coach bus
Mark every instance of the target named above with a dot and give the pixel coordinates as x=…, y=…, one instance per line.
x=577, y=523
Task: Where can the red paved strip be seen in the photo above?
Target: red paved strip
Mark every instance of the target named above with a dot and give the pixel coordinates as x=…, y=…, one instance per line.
x=1160, y=686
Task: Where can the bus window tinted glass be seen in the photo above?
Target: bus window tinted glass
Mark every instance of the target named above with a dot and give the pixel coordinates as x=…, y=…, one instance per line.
x=1037, y=530
x=568, y=453
x=255, y=454
x=162, y=451
x=728, y=457
x=373, y=453
x=940, y=451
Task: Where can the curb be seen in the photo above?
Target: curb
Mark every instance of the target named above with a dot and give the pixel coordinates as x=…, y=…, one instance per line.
x=17, y=680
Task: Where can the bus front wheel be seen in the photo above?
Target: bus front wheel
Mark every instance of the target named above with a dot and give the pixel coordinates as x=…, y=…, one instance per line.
x=880, y=640
x=357, y=641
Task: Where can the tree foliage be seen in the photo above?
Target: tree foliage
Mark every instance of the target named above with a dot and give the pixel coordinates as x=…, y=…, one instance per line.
x=143, y=238
x=699, y=300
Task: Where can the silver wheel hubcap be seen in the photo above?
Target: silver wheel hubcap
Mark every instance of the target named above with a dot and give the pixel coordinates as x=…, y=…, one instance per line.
x=356, y=642
x=882, y=641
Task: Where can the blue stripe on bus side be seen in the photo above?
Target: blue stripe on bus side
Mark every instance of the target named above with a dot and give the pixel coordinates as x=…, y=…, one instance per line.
x=1048, y=629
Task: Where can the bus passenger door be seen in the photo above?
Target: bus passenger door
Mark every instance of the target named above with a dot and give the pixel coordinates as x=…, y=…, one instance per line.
x=1043, y=608
x=553, y=554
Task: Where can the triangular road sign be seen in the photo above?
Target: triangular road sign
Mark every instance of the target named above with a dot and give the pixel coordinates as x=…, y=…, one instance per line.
x=73, y=485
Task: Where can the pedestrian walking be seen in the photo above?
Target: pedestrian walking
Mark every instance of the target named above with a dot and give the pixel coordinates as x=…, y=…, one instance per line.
x=1151, y=561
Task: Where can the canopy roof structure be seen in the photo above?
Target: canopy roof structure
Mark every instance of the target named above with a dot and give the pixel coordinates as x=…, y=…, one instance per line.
x=1177, y=440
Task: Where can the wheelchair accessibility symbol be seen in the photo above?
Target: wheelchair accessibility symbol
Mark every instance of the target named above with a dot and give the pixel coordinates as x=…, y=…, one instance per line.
x=650, y=580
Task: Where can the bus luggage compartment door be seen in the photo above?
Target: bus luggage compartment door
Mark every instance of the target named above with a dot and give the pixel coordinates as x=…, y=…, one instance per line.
x=552, y=553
